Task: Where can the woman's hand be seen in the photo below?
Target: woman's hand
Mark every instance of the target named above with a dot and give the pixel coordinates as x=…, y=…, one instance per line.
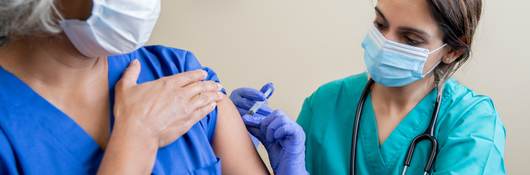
x=167, y=108
x=154, y=114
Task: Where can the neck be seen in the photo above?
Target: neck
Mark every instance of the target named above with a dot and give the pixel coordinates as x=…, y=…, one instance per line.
x=403, y=97
x=50, y=61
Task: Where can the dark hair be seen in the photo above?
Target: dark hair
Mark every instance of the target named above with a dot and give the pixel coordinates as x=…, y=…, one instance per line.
x=458, y=20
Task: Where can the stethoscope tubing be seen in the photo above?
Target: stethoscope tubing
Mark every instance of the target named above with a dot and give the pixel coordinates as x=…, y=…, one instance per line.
x=427, y=135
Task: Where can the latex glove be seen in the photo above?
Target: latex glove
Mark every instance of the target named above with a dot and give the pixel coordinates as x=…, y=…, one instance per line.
x=283, y=138
x=285, y=143
x=245, y=98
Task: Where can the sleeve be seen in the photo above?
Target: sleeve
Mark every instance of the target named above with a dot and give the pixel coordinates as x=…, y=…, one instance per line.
x=304, y=120
x=475, y=145
x=7, y=157
x=191, y=63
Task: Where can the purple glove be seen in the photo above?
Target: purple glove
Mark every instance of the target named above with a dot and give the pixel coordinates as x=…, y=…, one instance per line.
x=245, y=98
x=283, y=138
x=285, y=142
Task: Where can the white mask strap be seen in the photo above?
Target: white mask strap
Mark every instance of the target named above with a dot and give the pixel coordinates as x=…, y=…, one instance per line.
x=436, y=50
x=433, y=67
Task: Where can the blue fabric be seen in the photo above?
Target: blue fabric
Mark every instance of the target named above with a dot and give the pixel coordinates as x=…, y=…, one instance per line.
x=38, y=138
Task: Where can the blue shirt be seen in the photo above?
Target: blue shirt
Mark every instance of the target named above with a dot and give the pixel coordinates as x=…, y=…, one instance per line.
x=38, y=138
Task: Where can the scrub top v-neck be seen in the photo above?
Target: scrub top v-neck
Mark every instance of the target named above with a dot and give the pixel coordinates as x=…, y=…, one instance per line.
x=470, y=133
x=38, y=138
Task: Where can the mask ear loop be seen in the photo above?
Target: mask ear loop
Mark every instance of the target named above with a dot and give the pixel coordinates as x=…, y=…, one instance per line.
x=58, y=13
x=438, y=49
x=438, y=63
x=433, y=67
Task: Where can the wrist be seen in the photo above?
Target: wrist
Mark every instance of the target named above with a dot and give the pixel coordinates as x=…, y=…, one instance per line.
x=135, y=131
x=130, y=151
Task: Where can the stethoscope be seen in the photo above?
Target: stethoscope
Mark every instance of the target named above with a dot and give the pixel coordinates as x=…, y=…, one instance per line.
x=427, y=135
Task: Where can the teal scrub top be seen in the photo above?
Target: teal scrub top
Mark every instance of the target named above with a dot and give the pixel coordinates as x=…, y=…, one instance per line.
x=470, y=133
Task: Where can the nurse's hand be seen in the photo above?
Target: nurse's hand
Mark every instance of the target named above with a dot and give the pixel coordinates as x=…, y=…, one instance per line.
x=285, y=143
x=245, y=98
x=283, y=138
x=164, y=109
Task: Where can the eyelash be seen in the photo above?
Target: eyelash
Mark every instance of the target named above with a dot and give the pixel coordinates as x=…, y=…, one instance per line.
x=412, y=42
x=379, y=25
x=408, y=40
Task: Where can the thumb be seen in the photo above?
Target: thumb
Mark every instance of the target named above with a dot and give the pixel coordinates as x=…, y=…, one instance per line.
x=256, y=133
x=130, y=76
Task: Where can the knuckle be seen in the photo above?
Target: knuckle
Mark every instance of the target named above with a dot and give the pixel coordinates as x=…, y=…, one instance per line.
x=202, y=87
x=187, y=110
x=186, y=78
x=202, y=99
x=119, y=86
x=205, y=110
x=170, y=83
x=206, y=85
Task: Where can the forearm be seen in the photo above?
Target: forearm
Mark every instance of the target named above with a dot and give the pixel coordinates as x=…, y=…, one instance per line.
x=128, y=152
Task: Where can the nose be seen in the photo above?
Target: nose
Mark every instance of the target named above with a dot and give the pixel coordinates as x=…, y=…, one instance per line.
x=390, y=34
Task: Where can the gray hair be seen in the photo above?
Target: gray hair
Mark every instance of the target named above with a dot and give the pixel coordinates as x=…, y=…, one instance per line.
x=27, y=17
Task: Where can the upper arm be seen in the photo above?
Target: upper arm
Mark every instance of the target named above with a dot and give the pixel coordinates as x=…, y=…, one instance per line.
x=475, y=144
x=232, y=143
x=224, y=127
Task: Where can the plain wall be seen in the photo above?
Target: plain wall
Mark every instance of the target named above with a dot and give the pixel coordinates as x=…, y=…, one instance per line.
x=301, y=44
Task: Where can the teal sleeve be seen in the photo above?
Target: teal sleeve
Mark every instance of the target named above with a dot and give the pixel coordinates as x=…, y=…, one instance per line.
x=475, y=144
x=304, y=120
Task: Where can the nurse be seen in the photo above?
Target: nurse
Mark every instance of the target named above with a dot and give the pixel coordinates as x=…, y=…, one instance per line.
x=411, y=52
x=80, y=94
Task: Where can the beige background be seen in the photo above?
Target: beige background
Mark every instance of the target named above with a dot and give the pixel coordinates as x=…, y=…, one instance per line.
x=301, y=44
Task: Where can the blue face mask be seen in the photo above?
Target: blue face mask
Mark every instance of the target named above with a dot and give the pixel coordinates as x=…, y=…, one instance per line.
x=393, y=64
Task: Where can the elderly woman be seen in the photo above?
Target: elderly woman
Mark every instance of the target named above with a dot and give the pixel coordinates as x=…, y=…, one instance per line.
x=80, y=94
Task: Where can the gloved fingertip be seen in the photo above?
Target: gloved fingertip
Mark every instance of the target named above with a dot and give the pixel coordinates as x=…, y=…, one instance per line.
x=267, y=86
x=254, y=95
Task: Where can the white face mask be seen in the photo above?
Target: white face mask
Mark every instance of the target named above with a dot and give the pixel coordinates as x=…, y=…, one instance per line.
x=115, y=27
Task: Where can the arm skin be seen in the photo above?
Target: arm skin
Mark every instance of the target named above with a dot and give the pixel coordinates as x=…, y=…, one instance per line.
x=129, y=152
x=131, y=155
x=232, y=143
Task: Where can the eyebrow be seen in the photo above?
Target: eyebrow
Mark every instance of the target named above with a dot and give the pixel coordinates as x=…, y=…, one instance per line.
x=401, y=28
x=380, y=13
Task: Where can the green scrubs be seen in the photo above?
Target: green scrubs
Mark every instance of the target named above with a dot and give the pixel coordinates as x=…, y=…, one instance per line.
x=470, y=133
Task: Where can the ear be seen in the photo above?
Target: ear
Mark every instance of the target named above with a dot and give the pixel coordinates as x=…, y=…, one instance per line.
x=452, y=55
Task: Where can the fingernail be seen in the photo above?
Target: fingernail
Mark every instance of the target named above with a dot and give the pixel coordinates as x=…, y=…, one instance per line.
x=204, y=74
x=220, y=95
x=213, y=105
